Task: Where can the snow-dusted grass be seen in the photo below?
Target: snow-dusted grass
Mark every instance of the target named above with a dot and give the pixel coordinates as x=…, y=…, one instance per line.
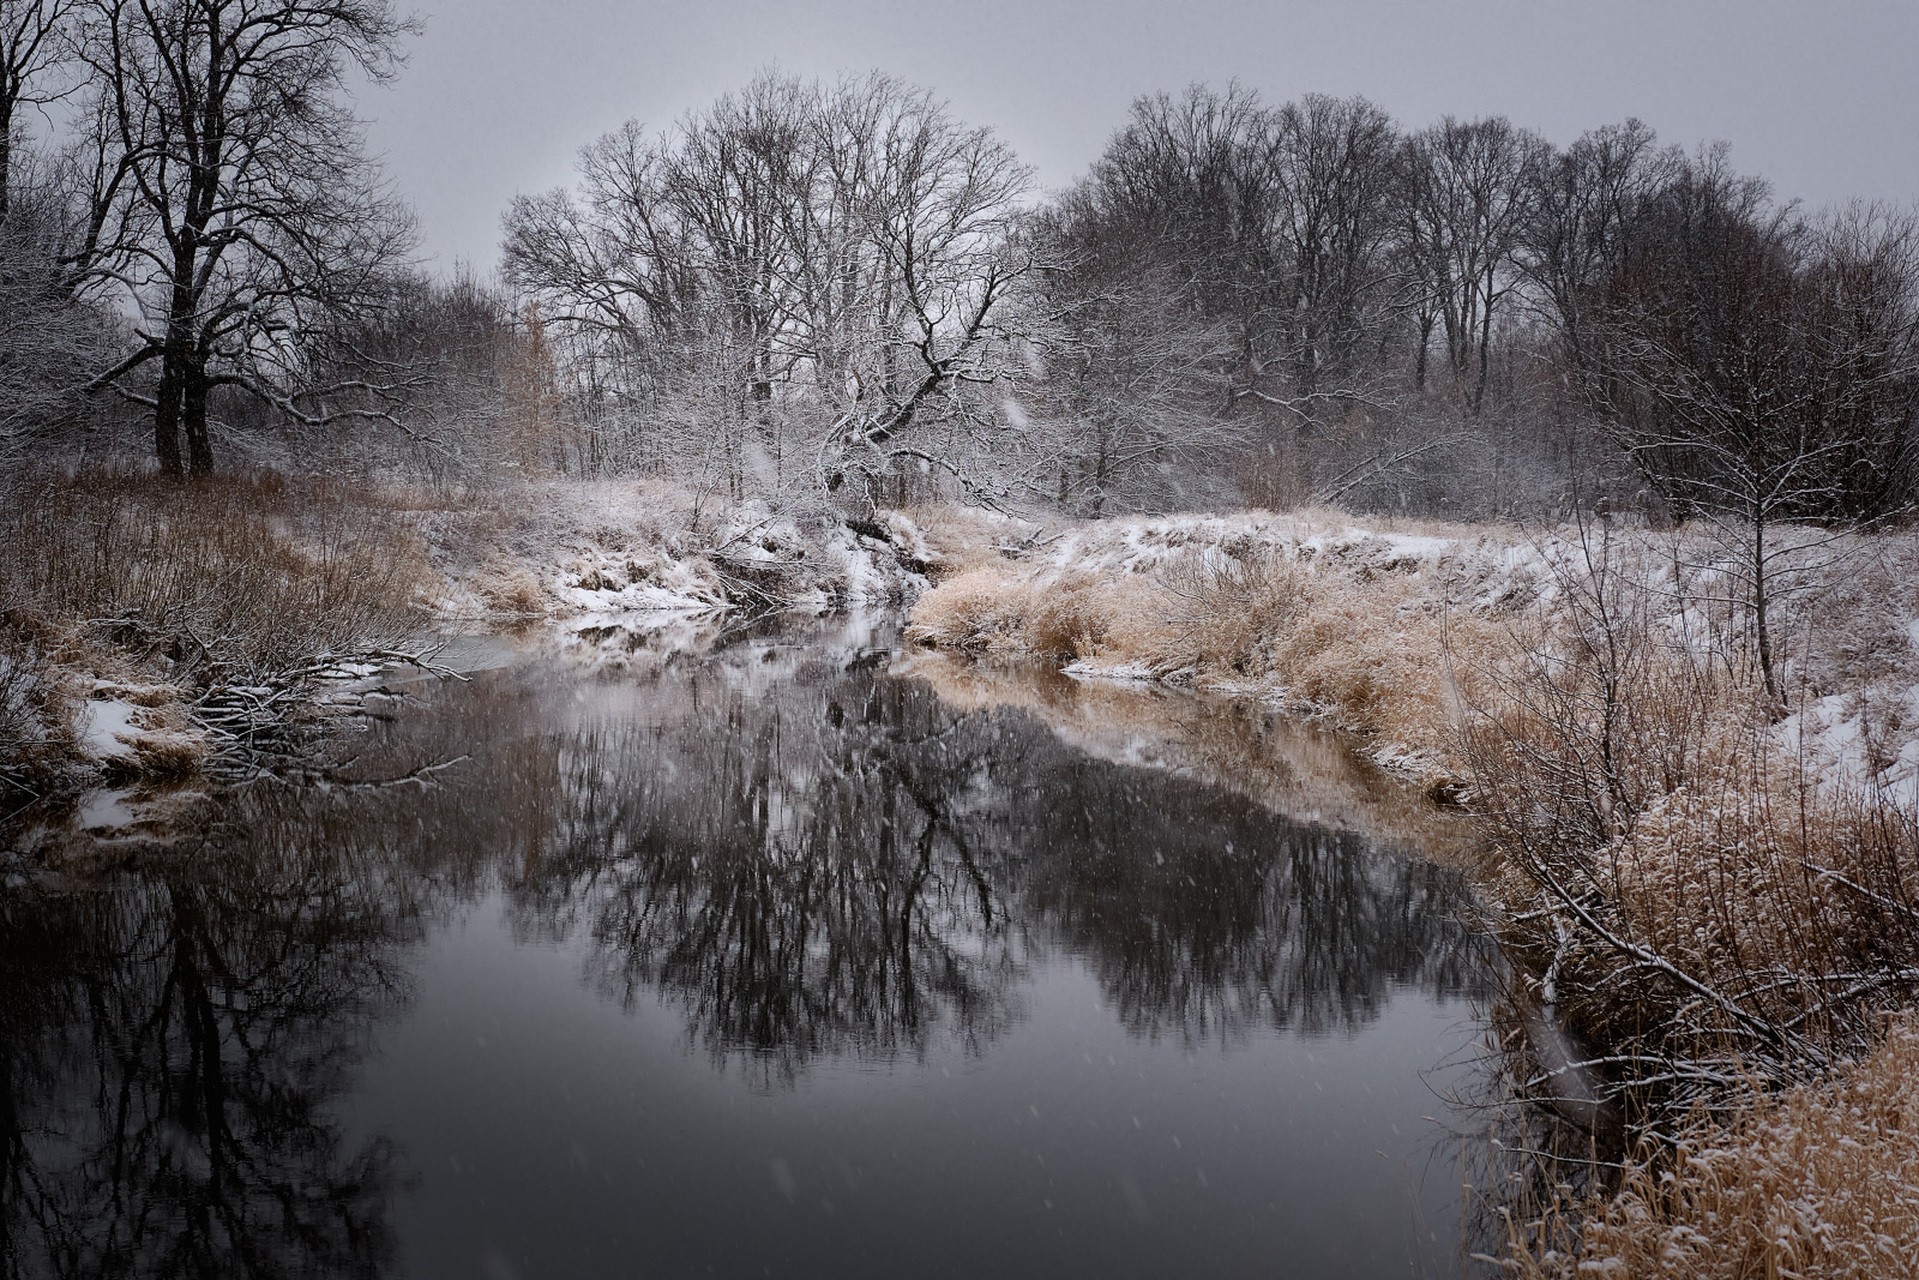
x=1819, y=1181
x=1379, y=625
x=36, y=736
x=1309, y=610
x=140, y=730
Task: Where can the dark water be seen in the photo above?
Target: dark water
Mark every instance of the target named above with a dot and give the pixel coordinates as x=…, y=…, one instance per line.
x=765, y=961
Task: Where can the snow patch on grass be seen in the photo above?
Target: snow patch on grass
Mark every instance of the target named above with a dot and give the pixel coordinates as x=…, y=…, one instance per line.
x=107, y=730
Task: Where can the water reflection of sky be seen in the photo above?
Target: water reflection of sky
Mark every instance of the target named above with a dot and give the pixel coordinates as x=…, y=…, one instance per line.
x=760, y=960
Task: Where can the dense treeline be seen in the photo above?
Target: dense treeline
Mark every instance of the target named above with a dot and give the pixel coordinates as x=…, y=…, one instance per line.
x=840, y=293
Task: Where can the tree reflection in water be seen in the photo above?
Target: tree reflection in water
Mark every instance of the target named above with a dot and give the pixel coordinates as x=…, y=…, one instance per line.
x=834, y=862
x=806, y=856
x=174, y=1034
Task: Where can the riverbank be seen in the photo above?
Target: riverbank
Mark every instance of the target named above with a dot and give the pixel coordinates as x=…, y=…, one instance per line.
x=1704, y=834
x=150, y=633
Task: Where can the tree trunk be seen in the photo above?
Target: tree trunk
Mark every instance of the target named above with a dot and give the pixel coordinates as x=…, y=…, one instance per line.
x=1485, y=351
x=180, y=370
x=1761, y=607
x=166, y=416
x=6, y=156
x=193, y=406
x=1420, y=353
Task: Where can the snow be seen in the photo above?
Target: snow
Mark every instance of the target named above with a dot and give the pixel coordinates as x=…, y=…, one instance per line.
x=106, y=810
x=1116, y=672
x=108, y=732
x=602, y=548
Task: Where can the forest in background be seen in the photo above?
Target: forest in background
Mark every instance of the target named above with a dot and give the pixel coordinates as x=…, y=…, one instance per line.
x=837, y=294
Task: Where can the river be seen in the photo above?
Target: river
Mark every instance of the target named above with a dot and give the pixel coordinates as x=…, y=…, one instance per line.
x=779, y=954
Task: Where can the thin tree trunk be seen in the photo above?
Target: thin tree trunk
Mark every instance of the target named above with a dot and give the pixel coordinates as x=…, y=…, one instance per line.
x=6, y=156
x=1762, y=627
x=1485, y=352
x=1420, y=356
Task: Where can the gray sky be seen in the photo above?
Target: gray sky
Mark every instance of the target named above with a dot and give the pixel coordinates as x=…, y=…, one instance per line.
x=1820, y=96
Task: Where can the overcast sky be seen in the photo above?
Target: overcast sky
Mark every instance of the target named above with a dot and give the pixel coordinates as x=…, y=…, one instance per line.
x=1820, y=96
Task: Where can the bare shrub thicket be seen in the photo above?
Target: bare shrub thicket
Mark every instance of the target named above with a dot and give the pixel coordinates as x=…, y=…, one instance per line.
x=1235, y=605
x=1713, y=910
x=239, y=591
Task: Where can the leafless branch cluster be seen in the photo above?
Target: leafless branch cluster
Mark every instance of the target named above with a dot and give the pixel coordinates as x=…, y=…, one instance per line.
x=804, y=282
x=1707, y=913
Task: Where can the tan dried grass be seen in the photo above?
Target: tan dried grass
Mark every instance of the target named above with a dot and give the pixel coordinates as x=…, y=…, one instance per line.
x=1370, y=656
x=241, y=576
x=982, y=610
x=1820, y=1181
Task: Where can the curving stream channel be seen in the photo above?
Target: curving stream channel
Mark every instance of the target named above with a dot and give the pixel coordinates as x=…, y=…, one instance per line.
x=783, y=955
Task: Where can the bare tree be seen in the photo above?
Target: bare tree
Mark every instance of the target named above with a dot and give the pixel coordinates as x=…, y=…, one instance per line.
x=32, y=46
x=1281, y=224
x=1591, y=201
x=1189, y=180
x=1132, y=387
x=232, y=205
x=1333, y=168
x=1468, y=190
x=1762, y=370
x=825, y=267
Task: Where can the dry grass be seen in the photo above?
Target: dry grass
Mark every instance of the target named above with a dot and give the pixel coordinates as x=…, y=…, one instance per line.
x=968, y=538
x=36, y=739
x=232, y=595
x=1362, y=646
x=1820, y=1181
x=1719, y=920
x=236, y=579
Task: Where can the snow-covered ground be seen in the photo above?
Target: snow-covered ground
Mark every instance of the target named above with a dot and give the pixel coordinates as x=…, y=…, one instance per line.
x=612, y=548
x=1845, y=612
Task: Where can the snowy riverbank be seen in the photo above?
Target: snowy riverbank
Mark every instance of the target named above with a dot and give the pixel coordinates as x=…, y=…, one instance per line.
x=1381, y=626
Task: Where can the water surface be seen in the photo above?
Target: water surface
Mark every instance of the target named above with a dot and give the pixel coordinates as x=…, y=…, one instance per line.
x=783, y=956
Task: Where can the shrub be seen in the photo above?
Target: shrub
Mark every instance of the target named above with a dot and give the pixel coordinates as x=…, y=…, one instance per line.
x=1822, y=1180
x=230, y=581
